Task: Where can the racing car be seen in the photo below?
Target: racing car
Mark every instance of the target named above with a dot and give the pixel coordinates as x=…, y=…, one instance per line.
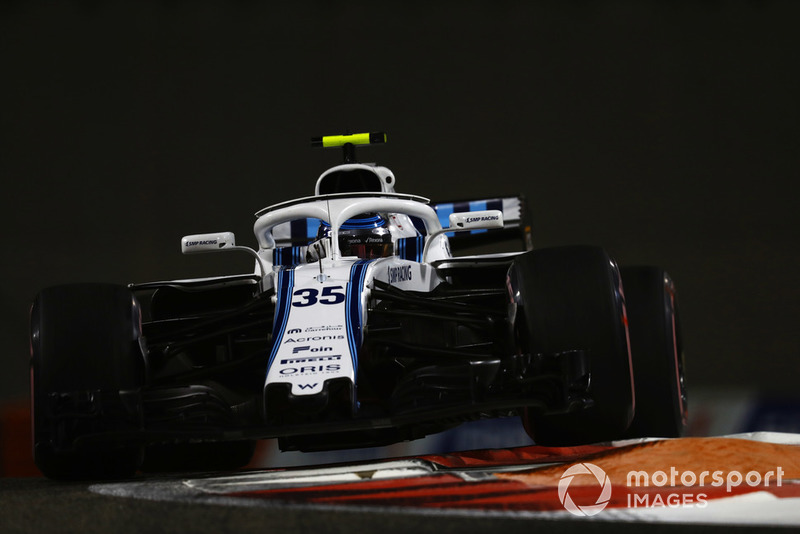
x=370, y=317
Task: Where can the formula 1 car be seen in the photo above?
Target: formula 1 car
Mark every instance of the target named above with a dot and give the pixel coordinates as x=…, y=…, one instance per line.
x=358, y=327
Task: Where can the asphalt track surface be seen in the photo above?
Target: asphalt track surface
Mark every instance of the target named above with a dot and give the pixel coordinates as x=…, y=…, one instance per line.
x=41, y=505
x=490, y=490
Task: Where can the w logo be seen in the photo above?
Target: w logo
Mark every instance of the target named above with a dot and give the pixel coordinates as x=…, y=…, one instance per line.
x=602, y=499
x=307, y=386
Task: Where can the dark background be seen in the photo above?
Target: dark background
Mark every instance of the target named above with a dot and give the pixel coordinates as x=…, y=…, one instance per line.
x=664, y=131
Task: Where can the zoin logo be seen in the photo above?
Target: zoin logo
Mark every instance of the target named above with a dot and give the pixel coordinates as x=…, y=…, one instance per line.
x=295, y=350
x=584, y=469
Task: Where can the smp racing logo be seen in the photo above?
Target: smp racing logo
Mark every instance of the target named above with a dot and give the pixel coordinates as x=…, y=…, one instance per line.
x=483, y=218
x=204, y=242
x=399, y=274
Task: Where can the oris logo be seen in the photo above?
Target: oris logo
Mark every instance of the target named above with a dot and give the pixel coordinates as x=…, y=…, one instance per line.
x=310, y=369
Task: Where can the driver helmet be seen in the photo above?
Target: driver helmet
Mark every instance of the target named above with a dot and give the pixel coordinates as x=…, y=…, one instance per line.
x=366, y=236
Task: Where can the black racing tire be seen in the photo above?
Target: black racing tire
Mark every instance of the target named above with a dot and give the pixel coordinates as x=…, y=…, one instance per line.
x=203, y=456
x=571, y=299
x=85, y=339
x=657, y=353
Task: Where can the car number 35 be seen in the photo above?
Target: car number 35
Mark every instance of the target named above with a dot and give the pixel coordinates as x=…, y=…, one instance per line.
x=309, y=296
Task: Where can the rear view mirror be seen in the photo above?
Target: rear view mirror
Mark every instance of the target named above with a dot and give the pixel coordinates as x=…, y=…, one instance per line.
x=475, y=220
x=465, y=221
x=192, y=244
x=197, y=243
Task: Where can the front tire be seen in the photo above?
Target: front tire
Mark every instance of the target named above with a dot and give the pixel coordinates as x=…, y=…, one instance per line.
x=84, y=351
x=571, y=299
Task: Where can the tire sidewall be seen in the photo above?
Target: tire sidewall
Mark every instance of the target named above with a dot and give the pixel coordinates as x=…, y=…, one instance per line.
x=572, y=299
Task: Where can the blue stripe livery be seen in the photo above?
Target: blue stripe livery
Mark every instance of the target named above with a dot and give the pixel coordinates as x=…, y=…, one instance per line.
x=353, y=310
x=285, y=285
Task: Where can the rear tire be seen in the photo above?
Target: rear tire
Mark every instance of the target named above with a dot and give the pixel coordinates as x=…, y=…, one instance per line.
x=84, y=346
x=571, y=300
x=657, y=353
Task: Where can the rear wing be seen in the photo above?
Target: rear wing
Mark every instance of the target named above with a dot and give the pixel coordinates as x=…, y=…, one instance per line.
x=516, y=222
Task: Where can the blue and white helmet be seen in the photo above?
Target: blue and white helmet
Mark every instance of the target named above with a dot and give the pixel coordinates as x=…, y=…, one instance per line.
x=366, y=236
